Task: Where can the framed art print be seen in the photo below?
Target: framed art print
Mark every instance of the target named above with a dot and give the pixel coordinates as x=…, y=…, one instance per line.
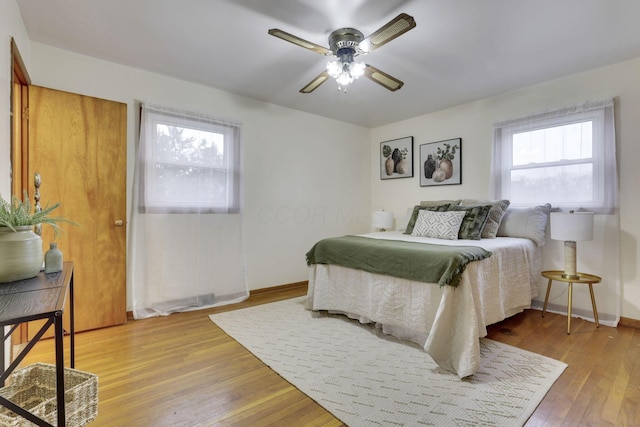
x=441, y=163
x=396, y=158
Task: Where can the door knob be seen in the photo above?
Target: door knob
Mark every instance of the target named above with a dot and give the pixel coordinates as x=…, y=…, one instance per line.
x=119, y=223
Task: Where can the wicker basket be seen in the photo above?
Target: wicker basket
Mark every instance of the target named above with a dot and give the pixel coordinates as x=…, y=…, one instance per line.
x=34, y=389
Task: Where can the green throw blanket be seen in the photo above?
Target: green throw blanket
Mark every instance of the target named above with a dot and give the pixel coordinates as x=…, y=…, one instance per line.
x=422, y=262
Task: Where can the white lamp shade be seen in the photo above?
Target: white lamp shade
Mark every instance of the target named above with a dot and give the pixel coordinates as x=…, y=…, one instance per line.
x=382, y=219
x=572, y=226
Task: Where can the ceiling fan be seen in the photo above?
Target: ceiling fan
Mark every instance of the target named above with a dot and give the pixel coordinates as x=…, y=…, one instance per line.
x=348, y=43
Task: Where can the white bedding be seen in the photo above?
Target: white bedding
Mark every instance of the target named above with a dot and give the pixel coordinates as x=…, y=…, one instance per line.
x=447, y=321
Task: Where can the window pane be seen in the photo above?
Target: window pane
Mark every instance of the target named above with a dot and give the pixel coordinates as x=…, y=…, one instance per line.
x=189, y=146
x=190, y=186
x=568, y=142
x=569, y=183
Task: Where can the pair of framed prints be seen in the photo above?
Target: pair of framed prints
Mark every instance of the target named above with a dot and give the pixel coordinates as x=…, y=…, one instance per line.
x=440, y=162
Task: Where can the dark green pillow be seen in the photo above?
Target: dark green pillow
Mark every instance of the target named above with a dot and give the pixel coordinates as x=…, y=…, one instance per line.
x=474, y=219
x=416, y=211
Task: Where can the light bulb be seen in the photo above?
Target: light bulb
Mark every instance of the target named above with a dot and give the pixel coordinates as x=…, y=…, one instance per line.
x=344, y=79
x=356, y=69
x=334, y=69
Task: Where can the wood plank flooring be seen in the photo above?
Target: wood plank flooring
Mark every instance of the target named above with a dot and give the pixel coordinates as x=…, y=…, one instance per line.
x=182, y=370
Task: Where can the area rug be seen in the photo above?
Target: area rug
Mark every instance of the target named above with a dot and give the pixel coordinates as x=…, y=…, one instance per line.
x=366, y=378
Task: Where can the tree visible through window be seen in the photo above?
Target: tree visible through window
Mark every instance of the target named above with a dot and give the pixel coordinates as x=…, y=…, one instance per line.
x=191, y=164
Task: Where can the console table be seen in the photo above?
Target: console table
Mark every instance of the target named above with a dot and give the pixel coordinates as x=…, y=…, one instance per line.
x=41, y=297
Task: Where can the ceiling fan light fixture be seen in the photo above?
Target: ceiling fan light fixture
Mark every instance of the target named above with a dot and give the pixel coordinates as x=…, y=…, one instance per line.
x=347, y=43
x=343, y=80
x=345, y=70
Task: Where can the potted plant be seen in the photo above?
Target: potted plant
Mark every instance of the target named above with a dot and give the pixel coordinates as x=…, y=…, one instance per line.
x=21, y=248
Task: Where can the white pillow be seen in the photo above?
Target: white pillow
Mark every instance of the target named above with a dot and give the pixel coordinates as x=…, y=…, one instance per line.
x=530, y=223
x=438, y=225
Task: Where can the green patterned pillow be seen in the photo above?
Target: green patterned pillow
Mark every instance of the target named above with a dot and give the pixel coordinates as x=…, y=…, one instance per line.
x=416, y=211
x=474, y=219
x=494, y=218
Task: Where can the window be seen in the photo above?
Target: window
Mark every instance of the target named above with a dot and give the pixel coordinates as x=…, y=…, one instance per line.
x=565, y=157
x=190, y=162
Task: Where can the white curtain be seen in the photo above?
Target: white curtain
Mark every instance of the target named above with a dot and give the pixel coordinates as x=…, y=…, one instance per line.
x=190, y=257
x=600, y=256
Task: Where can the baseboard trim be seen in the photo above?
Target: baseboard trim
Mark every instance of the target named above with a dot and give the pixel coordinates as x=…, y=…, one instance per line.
x=286, y=287
x=629, y=323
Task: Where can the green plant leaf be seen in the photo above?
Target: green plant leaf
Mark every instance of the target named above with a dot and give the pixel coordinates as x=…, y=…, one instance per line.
x=19, y=213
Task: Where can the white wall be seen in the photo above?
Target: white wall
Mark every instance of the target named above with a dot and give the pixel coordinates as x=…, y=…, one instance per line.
x=306, y=177
x=614, y=253
x=10, y=26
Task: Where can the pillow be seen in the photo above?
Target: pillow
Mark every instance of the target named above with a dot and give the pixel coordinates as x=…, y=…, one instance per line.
x=405, y=220
x=474, y=219
x=438, y=225
x=439, y=202
x=530, y=223
x=499, y=207
x=417, y=209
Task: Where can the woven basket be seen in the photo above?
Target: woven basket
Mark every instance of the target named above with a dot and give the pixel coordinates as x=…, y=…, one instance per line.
x=34, y=389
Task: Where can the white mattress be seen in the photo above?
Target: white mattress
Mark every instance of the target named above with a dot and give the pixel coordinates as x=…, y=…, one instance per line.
x=447, y=321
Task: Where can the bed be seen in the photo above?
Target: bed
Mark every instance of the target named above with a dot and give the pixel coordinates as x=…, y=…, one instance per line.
x=448, y=316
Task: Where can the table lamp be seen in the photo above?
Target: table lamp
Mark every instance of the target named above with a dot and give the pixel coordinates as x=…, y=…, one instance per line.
x=571, y=227
x=382, y=220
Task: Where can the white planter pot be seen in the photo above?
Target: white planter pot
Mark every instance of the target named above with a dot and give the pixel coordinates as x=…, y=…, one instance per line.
x=20, y=254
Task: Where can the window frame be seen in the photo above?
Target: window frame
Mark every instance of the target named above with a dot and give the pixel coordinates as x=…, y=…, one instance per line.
x=604, y=174
x=231, y=162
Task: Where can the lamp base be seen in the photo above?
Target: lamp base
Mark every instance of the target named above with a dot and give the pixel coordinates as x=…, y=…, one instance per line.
x=570, y=271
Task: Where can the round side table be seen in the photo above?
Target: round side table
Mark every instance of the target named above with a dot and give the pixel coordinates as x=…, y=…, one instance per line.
x=583, y=278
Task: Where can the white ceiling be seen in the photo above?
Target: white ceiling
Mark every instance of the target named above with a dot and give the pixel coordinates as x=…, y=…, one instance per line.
x=460, y=50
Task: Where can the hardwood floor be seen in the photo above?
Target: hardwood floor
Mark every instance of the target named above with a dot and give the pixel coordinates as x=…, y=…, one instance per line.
x=182, y=370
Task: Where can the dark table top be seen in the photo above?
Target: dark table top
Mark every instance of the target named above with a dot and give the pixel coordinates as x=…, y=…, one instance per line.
x=34, y=298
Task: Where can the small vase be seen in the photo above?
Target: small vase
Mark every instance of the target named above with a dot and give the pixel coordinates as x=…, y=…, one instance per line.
x=53, y=259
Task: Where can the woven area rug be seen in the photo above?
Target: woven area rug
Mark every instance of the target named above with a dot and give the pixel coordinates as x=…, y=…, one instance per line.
x=366, y=378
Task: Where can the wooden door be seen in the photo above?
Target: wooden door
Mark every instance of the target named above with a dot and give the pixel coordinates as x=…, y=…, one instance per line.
x=20, y=82
x=19, y=129
x=78, y=146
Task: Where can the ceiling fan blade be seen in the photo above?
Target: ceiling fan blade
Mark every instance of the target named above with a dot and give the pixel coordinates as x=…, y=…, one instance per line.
x=382, y=78
x=300, y=42
x=394, y=28
x=313, y=84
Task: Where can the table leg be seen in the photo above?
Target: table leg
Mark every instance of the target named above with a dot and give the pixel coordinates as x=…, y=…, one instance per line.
x=2, y=355
x=72, y=331
x=59, y=341
x=546, y=298
x=593, y=304
x=569, y=308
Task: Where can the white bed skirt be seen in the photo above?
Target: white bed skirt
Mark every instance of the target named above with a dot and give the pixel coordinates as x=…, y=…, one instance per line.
x=446, y=321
